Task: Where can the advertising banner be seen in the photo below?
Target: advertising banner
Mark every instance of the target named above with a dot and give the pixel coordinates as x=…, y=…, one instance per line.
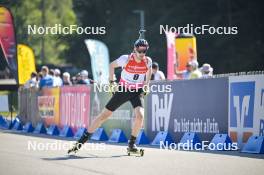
x=185, y=50
x=99, y=60
x=26, y=63
x=199, y=106
x=246, y=107
x=171, y=55
x=49, y=105
x=75, y=106
x=8, y=49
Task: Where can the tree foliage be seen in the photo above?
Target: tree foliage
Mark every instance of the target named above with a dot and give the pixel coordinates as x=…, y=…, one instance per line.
x=226, y=53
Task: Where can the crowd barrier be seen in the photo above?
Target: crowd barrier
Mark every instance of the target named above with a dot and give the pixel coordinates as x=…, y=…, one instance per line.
x=231, y=105
x=199, y=106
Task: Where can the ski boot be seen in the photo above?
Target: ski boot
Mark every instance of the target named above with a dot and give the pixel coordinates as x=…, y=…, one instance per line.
x=80, y=142
x=133, y=150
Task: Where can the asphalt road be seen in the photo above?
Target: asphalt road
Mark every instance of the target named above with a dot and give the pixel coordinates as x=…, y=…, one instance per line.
x=17, y=157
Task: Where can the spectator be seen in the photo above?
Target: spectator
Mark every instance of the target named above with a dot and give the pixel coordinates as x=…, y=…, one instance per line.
x=76, y=78
x=207, y=71
x=156, y=73
x=73, y=80
x=84, y=78
x=40, y=76
x=47, y=80
x=33, y=81
x=57, y=81
x=66, y=79
x=195, y=73
x=51, y=73
x=185, y=74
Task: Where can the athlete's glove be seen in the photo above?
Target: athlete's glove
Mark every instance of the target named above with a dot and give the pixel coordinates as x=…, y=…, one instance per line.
x=145, y=89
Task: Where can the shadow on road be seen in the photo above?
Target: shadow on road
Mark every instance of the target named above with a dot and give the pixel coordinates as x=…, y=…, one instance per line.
x=91, y=156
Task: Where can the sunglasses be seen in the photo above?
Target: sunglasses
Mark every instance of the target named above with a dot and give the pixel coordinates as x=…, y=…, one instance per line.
x=142, y=51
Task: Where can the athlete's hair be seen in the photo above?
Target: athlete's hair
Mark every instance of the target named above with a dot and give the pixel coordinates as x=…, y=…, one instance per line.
x=141, y=42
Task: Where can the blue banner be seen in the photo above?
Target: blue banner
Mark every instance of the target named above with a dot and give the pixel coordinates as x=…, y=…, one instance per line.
x=199, y=106
x=246, y=107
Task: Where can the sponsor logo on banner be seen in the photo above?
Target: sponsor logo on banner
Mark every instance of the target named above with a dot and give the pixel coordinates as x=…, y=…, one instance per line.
x=189, y=107
x=242, y=96
x=46, y=106
x=161, y=111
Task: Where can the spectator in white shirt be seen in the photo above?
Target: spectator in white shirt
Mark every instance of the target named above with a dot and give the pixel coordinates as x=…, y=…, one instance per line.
x=57, y=81
x=33, y=81
x=207, y=70
x=66, y=79
x=196, y=73
x=156, y=73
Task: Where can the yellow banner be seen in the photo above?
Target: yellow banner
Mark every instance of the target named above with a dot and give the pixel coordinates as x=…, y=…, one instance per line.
x=49, y=105
x=26, y=63
x=185, y=50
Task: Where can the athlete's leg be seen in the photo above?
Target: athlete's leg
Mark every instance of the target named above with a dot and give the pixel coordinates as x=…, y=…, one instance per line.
x=101, y=118
x=137, y=102
x=117, y=100
x=95, y=124
x=139, y=113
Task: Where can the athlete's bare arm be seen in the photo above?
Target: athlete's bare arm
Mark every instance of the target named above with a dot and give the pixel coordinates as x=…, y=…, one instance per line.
x=148, y=75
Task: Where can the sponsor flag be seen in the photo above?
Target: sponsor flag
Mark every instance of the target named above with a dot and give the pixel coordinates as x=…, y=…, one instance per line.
x=171, y=54
x=99, y=60
x=26, y=63
x=185, y=50
x=8, y=57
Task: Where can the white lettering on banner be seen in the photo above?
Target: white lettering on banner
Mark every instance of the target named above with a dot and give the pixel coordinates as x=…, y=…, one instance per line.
x=244, y=109
x=209, y=125
x=240, y=115
x=65, y=108
x=73, y=106
x=161, y=110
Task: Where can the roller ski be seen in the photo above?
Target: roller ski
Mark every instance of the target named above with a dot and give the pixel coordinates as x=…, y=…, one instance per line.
x=133, y=150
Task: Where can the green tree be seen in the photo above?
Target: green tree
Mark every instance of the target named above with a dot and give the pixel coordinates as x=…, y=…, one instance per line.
x=28, y=12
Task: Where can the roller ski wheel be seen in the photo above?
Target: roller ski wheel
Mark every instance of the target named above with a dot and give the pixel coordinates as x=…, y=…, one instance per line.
x=139, y=152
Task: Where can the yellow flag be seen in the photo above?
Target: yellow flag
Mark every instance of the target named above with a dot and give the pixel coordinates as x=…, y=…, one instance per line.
x=26, y=63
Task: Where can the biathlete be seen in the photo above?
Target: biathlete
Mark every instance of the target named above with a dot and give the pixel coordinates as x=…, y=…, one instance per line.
x=133, y=84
